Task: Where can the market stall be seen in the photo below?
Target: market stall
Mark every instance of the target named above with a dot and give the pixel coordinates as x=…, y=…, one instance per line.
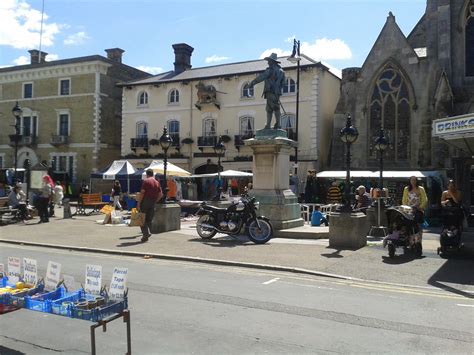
x=121, y=170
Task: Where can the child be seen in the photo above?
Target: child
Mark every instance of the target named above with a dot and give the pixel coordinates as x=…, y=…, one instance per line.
x=317, y=218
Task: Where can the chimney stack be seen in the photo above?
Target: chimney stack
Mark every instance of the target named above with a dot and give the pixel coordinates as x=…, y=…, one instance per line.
x=182, y=57
x=115, y=54
x=37, y=57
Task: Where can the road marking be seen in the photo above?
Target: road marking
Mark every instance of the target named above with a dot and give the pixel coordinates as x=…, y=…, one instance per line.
x=465, y=305
x=271, y=281
x=407, y=291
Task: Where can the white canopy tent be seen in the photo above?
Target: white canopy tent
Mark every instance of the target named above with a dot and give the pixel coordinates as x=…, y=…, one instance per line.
x=118, y=170
x=225, y=173
x=171, y=170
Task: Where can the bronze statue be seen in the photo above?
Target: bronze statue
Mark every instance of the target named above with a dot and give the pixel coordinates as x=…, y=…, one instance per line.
x=274, y=80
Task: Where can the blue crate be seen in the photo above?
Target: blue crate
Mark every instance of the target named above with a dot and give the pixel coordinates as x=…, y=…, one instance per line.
x=19, y=299
x=62, y=306
x=111, y=307
x=42, y=302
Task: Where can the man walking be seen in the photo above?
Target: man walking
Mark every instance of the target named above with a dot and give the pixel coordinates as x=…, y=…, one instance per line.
x=150, y=194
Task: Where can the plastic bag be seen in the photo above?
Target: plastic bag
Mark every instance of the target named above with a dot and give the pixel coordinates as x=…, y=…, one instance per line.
x=137, y=219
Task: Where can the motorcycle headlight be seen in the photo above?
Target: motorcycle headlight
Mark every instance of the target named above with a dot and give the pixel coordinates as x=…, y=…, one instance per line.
x=257, y=205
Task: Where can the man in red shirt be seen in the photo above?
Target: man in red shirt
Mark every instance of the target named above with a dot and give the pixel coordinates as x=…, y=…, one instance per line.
x=150, y=194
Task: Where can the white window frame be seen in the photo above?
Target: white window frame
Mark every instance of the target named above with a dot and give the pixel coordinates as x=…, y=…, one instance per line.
x=32, y=90
x=289, y=83
x=58, y=122
x=246, y=118
x=146, y=98
x=204, y=125
x=173, y=94
x=248, y=89
x=139, y=124
x=56, y=157
x=59, y=86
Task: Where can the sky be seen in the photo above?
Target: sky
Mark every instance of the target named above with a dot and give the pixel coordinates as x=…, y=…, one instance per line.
x=340, y=33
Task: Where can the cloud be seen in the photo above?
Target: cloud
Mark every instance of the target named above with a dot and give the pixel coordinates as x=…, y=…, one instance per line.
x=51, y=57
x=21, y=60
x=320, y=49
x=76, y=39
x=151, y=70
x=20, y=26
x=215, y=59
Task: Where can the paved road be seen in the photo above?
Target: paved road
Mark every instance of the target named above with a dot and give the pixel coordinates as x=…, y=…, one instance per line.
x=180, y=307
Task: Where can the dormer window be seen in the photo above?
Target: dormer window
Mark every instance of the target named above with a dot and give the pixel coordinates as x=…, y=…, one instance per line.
x=142, y=98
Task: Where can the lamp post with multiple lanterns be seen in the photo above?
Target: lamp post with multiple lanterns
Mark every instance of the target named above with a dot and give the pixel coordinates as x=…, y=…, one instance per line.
x=165, y=142
x=17, y=111
x=219, y=149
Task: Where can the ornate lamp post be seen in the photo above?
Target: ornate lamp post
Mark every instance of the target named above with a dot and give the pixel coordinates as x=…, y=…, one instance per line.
x=348, y=136
x=219, y=149
x=165, y=141
x=17, y=111
x=295, y=58
x=381, y=143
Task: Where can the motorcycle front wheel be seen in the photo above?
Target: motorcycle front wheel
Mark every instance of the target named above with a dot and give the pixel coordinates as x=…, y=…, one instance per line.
x=262, y=234
x=205, y=232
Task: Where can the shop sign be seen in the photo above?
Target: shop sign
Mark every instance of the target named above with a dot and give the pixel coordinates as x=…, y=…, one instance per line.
x=93, y=279
x=30, y=271
x=453, y=126
x=118, y=284
x=14, y=269
x=53, y=273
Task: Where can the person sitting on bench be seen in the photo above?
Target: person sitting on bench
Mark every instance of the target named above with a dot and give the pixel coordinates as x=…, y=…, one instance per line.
x=17, y=200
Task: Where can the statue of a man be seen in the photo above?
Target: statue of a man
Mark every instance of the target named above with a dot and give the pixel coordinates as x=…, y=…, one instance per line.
x=274, y=78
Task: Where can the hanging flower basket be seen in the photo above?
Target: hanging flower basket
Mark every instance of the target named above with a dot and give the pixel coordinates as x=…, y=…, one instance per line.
x=154, y=142
x=187, y=141
x=225, y=138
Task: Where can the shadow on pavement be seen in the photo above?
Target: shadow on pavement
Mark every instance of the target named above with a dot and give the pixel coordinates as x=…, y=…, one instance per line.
x=132, y=237
x=457, y=269
x=9, y=351
x=129, y=244
x=224, y=242
x=334, y=254
x=400, y=259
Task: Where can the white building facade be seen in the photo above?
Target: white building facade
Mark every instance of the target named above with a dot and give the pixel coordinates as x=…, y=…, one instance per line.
x=199, y=105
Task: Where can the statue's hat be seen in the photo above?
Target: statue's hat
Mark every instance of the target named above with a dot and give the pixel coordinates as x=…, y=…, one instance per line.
x=273, y=57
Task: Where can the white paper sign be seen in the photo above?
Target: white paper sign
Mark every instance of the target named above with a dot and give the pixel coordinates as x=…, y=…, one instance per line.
x=93, y=279
x=52, y=275
x=2, y=270
x=14, y=269
x=118, y=284
x=69, y=282
x=30, y=273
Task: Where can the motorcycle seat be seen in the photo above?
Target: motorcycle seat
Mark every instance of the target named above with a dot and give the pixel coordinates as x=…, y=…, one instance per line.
x=214, y=209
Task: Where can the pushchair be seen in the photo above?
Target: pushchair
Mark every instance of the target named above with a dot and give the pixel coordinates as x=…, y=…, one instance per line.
x=450, y=237
x=404, y=230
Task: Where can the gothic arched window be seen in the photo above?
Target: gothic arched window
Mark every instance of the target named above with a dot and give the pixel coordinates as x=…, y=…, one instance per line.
x=469, y=34
x=390, y=110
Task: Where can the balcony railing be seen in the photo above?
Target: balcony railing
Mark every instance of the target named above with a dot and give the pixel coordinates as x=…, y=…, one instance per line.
x=57, y=139
x=141, y=142
x=207, y=141
x=239, y=139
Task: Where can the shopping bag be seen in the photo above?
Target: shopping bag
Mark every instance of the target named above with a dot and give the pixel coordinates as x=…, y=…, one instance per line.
x=137, y=219
x=116, y=217
x=107, y=209
x=107, y=218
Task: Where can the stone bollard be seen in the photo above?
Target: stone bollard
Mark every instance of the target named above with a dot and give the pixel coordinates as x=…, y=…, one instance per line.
x=66, y=209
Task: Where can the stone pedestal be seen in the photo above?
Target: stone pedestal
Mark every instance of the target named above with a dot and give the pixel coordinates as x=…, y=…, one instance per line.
x=348, y=230
x=167, y=218
x=271, y=167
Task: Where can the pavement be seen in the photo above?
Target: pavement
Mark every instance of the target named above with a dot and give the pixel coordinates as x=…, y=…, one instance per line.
x=299, y=255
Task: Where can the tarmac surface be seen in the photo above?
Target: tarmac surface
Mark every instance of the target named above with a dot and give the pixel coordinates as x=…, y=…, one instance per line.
x=310, y=256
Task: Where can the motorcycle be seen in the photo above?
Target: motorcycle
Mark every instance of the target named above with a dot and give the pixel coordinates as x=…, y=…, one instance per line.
x=232, y=219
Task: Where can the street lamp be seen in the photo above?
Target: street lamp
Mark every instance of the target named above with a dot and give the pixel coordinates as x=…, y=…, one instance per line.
x=165, y=141
x=17, y=111
x=219, y=149
x=348, y=136
x=295, y=58
x=381, y=143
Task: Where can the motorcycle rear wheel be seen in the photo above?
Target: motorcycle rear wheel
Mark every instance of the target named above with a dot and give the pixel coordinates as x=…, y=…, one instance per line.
x=260, y=235
x=205, y=233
